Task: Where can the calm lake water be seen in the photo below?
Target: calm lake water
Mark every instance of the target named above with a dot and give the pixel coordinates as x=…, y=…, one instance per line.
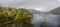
x=49, y=19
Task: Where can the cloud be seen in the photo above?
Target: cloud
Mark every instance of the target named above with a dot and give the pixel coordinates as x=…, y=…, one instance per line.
x=47, y=4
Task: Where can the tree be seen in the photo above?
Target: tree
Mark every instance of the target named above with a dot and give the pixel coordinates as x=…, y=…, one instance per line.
x=15, y=16
x=23, y=17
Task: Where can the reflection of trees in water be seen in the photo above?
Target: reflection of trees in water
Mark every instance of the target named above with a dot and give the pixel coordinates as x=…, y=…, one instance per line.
x=58, y=20
x=43, y=24
x=59, y=25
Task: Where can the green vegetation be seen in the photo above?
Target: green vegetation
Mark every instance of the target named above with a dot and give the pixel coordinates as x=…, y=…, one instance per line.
x=15, y=17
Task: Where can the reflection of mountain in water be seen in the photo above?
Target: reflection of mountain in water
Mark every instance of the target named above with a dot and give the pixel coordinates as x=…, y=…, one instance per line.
x=56, y=11
x=39, y=17
x=50, y=20
x=44, y=19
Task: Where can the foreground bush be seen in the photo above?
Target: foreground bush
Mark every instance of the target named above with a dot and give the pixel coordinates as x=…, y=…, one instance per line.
x=15, y=17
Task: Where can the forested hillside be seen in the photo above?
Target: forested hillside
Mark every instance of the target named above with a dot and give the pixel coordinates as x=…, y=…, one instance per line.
x=15, y=17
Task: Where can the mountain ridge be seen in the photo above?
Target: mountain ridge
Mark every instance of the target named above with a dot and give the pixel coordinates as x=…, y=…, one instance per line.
x=55, y=11
x=34, y=11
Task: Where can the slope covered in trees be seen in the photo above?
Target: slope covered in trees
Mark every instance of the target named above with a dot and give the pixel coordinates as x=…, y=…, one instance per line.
x=17, y=16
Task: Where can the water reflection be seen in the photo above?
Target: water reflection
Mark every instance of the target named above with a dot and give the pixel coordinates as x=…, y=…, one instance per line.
x=48, y=19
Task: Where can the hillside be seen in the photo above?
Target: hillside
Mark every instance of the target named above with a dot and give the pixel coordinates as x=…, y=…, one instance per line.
x=56, y=11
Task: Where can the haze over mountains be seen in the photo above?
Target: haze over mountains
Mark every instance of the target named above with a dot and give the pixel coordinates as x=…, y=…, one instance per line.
x=34, y=11
x=54, y=11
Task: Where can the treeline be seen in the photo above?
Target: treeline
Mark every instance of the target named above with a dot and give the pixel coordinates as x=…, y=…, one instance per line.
x=15, y=17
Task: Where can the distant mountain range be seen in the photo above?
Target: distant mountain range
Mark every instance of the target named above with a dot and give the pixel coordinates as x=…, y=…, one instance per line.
x=34, y=11
x=56, y=11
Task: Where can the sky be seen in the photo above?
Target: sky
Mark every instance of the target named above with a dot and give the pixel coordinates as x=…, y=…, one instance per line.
x=40, y=5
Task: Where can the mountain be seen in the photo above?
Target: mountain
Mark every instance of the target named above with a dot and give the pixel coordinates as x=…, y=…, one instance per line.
x=56, y=11
x=45, y=13
x=34, y=11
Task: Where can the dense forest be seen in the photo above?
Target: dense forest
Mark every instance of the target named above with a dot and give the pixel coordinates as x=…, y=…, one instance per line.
x=12, y=17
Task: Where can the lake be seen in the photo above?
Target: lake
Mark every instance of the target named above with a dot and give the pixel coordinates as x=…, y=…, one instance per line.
x=49, y=20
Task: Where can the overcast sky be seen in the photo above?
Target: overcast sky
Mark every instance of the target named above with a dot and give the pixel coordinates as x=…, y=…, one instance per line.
x=41, y=5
